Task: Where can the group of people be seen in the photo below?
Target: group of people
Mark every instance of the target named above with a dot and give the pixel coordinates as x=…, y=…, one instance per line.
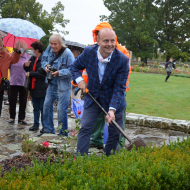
x=105, y=67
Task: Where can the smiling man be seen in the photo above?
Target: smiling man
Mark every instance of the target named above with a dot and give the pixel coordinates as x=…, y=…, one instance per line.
x=56, y=61
x=107, y=70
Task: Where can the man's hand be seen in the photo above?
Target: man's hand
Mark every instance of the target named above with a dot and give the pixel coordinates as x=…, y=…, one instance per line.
x=82, y=85
x=46, y=69
x=168, y=65
x=110, y=116
x=55, y=73
x=27, y=74
x=27, y=64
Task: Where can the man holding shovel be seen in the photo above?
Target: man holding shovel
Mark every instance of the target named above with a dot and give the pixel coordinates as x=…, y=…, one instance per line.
x=107, y=70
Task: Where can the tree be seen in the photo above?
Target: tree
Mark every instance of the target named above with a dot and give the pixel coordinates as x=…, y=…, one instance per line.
x=32, y=11
x=174, y=28
x=135, y=23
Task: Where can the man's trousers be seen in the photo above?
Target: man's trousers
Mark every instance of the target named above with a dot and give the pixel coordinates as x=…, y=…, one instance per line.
x=89, y=118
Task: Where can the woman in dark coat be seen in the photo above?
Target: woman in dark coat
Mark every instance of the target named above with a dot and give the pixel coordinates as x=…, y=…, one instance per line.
x=37, y=85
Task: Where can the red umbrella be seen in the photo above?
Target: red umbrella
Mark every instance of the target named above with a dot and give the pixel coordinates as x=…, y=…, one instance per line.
x=10, y=39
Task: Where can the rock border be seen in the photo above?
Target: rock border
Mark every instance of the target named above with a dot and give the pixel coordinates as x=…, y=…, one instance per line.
x=157, y=122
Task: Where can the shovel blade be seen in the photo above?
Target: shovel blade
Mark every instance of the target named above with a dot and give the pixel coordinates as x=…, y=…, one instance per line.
x=138, y=142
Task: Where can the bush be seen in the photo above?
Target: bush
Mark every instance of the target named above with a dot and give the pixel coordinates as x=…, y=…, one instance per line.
x=142, y=64
x=166, y=167
x=181, y=75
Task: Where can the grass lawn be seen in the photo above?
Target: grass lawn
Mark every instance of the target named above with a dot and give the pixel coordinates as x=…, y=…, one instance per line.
x=150, y=95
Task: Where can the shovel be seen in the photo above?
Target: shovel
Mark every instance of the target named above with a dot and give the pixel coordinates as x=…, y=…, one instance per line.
x=138, y=142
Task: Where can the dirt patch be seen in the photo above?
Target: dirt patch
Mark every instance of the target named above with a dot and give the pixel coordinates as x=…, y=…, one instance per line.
x=24, y=160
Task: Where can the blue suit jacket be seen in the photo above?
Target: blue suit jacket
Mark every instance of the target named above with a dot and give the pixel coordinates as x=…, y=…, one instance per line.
x=112, y=88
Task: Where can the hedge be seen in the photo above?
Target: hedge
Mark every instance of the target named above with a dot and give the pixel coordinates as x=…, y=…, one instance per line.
x=181, y=75
x=166, y=167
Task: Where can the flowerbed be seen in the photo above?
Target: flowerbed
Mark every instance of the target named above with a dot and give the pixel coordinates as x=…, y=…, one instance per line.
x=166, y=167
x=158, y=70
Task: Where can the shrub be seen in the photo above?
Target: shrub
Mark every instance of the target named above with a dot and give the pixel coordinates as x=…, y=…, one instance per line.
x=181, y=75
x=166, y=167
x=142, y=64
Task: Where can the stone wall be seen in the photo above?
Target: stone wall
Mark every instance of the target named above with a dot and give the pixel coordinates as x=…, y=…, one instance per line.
x=157, y=122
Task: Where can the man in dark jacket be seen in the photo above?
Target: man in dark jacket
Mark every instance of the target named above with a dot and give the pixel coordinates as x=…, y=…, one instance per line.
x=37, y=85
x=168, y=67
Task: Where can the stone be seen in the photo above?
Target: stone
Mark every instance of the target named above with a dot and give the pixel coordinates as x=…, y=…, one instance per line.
x=49, y=135
x=131, y=120
x=166, y=123
x=148, y=122
x=14, y=147
x=188, y=127
x=157, y=123
x=141, y=121
x=34, y=139
x=52, y=146
x=95, y=150
x=179, y=125
x=2, y=157
x=11, y=137
x=15, y=154
x=55, y=141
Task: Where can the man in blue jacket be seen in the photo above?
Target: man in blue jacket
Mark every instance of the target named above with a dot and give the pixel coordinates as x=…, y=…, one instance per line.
x=107, y=70
x=57, y=55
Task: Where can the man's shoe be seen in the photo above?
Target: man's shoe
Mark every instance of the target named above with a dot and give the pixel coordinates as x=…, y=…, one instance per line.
x=43, y=130
x=11, y=121
x=34, y=128
x=95, y=146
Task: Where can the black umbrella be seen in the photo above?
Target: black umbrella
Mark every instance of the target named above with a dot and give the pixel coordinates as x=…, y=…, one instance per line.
x=74, y=45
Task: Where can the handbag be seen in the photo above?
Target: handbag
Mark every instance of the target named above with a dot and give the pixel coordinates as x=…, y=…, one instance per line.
x=5, y=84
x=27, y=83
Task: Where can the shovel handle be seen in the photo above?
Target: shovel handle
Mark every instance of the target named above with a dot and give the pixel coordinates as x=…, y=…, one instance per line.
x=76, y=85
x=113, y=121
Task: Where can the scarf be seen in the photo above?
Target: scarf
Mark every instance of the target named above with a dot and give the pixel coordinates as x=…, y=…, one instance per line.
x=33, y=78
x=101, y=59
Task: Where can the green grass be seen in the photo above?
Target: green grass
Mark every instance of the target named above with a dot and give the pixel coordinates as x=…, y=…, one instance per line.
x=150, y=95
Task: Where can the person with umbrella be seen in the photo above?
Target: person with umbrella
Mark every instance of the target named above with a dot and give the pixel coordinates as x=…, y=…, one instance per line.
x=5, y=61
x=17, y=79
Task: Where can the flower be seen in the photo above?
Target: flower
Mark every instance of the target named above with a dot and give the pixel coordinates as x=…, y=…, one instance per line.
x=78, y=112
x=46, y=144
x=74, y=159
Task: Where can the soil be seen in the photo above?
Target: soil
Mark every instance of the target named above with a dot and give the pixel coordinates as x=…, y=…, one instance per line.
x=24, y=160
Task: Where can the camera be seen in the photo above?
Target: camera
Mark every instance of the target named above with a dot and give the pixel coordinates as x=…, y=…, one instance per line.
x=49, y=75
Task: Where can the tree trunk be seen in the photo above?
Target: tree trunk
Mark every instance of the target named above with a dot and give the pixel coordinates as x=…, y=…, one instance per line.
x=168, y=58
x=144, y=60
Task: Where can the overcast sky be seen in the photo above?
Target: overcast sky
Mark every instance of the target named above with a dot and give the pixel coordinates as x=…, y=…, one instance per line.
x=83, y=16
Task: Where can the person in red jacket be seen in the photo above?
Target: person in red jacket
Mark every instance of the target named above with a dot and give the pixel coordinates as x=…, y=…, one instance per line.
x=6, y=60
x=98, y=129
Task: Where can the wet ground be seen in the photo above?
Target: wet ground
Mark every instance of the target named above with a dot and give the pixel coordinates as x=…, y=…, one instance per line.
x=11, y=134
